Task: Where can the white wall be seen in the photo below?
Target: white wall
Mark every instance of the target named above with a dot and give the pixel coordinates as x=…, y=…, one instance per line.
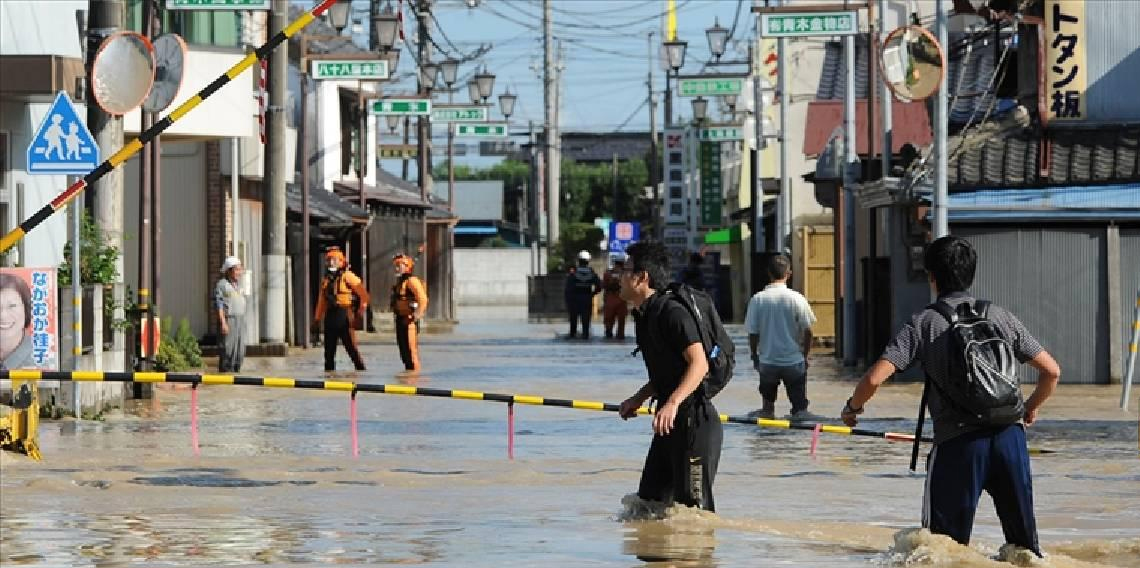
x=36, y=27
x=184, y=278
x=491, y=276
x=325, y=142
x=44, y=245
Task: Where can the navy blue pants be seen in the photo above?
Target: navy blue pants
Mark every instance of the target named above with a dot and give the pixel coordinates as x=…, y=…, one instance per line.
x=959, y=469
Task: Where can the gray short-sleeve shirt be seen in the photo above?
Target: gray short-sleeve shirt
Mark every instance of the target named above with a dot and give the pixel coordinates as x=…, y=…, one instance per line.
x=923, y=340
x=227, y=297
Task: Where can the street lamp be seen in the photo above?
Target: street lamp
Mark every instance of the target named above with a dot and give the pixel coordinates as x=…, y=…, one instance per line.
x=717, y=37
x=730, y=100
x=486, y=83
x=338, y=14
x=428, y=72
x=386, y=24
x=700, y=109
x=675, y=53
x=392, y=55
x=473, y=91
x=393, y=122
x=507, y=103
x=449, y=69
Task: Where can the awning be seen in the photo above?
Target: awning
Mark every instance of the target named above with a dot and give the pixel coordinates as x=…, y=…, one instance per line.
x=328, y=208
x=1068, y=203
x=476, y=230
x=734, y=234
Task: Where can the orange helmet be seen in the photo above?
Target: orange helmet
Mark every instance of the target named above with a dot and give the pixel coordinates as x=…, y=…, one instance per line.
x=335, y=252
x=404, y=259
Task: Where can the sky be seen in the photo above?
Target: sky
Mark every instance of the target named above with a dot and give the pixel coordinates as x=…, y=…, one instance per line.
x=606, y=52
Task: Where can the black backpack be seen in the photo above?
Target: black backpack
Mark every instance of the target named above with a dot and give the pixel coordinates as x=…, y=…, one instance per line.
x=984, y=388
x=719, y=349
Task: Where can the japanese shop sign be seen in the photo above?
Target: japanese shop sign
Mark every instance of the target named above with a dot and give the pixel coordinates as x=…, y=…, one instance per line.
x=29, y=332
x=1065, y=61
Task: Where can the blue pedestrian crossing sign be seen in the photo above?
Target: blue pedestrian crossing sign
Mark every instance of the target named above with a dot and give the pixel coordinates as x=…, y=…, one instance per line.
x=62, y=144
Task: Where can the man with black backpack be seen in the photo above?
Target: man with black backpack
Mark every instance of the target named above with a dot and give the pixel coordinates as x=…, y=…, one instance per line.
x=968, y=349
x=688, y=358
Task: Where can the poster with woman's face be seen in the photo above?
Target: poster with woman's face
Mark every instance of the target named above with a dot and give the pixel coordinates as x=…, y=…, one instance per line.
x=29, y=332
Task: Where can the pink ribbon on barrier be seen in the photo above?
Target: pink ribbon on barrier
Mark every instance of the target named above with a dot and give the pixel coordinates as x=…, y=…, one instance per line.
x=815, y=438
x=194, y=418
x=352, y=421
x=510, y=430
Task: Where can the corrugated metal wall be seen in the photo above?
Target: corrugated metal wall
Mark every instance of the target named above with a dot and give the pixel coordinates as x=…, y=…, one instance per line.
x=1053, y=279
x=1129, y=284
x=1113, y=52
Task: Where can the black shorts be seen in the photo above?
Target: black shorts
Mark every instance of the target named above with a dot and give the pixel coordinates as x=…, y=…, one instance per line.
x=681, y=466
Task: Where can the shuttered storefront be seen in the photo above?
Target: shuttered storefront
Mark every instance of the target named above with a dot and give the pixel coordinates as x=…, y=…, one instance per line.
x=1054, y=279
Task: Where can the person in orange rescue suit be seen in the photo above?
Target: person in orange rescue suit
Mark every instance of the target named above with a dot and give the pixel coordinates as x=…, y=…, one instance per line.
x=409, y=304
x=614, y=309
x=334, y=306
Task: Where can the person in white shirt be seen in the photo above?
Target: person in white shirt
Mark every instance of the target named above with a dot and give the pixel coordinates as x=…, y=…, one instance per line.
x=778, y=322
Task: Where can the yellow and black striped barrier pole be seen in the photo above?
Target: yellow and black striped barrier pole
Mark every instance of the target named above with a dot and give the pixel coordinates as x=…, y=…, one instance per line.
x=130, y=149
x=354, y=388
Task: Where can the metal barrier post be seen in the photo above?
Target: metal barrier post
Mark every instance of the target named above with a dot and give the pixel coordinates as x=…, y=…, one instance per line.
x=1127, y=390
x=510, y=430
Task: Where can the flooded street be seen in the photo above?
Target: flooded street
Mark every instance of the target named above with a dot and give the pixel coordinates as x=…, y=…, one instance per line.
x=276, y=484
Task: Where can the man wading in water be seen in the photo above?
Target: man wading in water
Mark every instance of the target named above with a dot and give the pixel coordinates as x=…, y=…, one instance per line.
x=683, y=456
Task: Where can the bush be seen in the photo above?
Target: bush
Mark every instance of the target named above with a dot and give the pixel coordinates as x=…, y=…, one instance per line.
x=576, y=237
x=179, y=352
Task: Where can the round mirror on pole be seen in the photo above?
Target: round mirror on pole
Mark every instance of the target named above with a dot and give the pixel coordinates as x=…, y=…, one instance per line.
x=393, y=122
x=123, y=72
x=913, y=63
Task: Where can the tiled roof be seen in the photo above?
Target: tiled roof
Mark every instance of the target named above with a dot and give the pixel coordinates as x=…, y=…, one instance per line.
x=911, y=125
x=327, y=207
x=1007, y=156
x=967, y=75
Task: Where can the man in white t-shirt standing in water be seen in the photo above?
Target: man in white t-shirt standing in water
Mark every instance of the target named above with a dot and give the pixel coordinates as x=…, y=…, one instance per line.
x=779, y=322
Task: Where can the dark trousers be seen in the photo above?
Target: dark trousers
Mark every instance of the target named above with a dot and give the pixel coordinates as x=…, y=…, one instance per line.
x=407, y=340
x=794, y=378
x=958, y=470
x=580, y=311
x=681, y=466
x=338, y=327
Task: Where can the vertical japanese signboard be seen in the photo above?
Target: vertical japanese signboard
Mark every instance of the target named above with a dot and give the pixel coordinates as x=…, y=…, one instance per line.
x=1065, y=61
x=675, y=201
x=711, y=195
x=29, y=331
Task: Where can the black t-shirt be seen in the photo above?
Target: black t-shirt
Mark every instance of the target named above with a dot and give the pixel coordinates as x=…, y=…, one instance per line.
x=664, y=330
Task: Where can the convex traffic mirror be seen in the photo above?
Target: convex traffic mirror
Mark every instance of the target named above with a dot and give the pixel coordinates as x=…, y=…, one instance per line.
x=913, y=63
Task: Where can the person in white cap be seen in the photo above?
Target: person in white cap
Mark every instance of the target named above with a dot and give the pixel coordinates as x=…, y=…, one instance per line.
x=581, y=286
x=230, y=304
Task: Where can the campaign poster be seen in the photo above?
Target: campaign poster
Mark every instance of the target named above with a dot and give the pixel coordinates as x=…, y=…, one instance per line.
x=29, y=329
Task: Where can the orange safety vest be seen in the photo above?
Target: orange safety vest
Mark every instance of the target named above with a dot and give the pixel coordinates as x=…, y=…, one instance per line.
x=408, y=294
x=340, y=294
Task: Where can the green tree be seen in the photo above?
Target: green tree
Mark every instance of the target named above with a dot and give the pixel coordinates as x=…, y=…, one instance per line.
x=96, y=257
x=576, y=237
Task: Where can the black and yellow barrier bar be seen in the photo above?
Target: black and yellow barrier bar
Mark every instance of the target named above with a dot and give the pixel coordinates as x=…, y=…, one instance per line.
x=346, y=386
x=130, y=149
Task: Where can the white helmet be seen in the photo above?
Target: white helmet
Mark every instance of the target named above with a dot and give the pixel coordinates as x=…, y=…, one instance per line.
x=230, y=262
x=584, y=255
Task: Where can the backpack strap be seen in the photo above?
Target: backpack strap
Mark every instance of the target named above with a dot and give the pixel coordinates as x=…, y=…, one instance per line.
x=918, y=427
x=945, y=311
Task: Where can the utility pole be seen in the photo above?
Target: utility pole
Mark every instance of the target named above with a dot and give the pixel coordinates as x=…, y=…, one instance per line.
x=424, y=122
x=550, y=104
x=847, y=210
x=105, y=17
x=146, y=119
x=941, y=113
x=654, y=168
x=273, y=226
x=785, y=225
